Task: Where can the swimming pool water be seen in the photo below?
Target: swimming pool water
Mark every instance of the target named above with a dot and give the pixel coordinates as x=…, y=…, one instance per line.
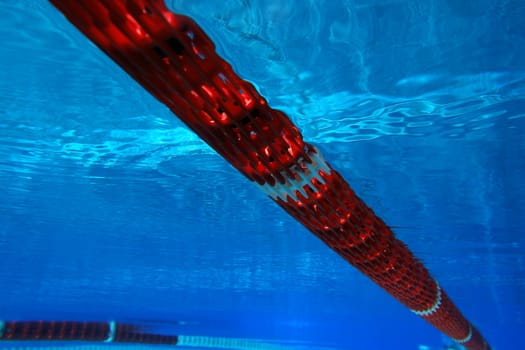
x=110, y=208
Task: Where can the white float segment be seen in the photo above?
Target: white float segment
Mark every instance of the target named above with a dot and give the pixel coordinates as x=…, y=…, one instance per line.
x=467, y=338
x=112, y=332
x=304, y=172
x=434, y=307
x=226, y=343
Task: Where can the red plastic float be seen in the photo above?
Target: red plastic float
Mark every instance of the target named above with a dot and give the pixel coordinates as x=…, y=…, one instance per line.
x=109, y=332
x=170, y=56
x=114, y=333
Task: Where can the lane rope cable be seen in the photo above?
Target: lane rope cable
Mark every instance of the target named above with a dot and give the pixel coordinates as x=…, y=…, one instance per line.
x=172, y=58
x=113, y=333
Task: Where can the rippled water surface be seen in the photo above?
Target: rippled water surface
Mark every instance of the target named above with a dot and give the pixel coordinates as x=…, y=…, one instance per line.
x=110, y=208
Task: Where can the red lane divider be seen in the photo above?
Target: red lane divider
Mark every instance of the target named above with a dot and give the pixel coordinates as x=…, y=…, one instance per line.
x=170, y=56
x=109, y=332
x=114, y=332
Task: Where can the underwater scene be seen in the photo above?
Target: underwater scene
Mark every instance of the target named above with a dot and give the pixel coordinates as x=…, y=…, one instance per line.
x=262, y=174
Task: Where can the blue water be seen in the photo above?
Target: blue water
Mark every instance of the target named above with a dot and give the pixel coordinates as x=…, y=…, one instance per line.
x=111, y=209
